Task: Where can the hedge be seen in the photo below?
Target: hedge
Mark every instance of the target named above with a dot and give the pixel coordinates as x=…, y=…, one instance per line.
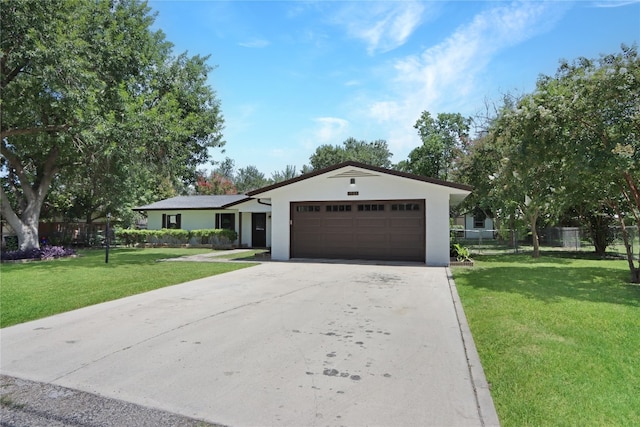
x=215, y=237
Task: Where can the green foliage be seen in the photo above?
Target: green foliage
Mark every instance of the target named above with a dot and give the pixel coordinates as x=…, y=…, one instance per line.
x=288, y=173
x=375, y=153
x=461, y=253
x=444, y=141
x=165, y=236
x=571, y=145
x=100, y=114
x=250, y=178
x=219, y=233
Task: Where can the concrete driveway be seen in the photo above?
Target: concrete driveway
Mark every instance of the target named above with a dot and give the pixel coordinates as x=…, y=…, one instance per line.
x=299, y=344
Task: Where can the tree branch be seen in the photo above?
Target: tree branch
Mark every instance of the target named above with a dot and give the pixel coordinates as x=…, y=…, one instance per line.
x=28, y=131
x=11, y=75
x=16, y=164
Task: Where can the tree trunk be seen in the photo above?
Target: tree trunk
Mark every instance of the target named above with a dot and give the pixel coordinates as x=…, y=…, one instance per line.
x=26, y=228
x=533, y=218
x=635, y=272
x=26, y=225
x=28, y=236
x=599, y=231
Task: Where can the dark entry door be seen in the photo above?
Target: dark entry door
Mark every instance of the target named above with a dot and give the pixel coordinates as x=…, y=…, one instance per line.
x=259, y=230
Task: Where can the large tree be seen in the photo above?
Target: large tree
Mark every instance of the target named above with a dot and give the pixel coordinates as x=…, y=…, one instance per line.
x=249, y=178
x=94, y=99
x=527, y=177
x=444, y=141
x=374, y=153
x=595, y=102
x=288, y=173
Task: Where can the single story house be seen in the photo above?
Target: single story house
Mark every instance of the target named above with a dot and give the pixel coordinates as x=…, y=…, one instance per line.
x=475, y=225
x=347, y=211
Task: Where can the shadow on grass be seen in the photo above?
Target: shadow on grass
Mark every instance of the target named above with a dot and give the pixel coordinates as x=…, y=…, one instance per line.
x=553, y=283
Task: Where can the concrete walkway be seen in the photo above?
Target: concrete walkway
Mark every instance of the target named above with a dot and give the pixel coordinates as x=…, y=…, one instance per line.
x=286, y=344
x=214, y=256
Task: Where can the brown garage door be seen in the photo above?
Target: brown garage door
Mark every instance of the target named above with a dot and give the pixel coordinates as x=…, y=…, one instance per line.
x=375, y=229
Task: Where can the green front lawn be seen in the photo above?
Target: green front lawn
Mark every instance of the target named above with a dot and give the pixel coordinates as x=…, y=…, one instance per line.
x=33, y=290
x=559, y=338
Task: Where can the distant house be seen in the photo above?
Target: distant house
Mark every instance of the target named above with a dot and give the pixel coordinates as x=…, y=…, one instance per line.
x=347, y=211
x=477, y=225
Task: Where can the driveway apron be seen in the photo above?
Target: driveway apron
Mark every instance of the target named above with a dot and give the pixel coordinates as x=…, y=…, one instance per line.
x=292, y=344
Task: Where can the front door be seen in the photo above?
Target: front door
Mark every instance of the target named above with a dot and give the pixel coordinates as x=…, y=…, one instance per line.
x=259, y=230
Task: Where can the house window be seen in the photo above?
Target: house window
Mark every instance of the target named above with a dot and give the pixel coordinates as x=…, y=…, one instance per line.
x=338, y=208
x=370, y=207
x=308, y=208
x=478, y=219
x=171, y=221
x=405, y=207
x=226, y=221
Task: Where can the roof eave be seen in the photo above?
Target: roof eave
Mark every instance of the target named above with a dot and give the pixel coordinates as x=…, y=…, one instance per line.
x=362, y=166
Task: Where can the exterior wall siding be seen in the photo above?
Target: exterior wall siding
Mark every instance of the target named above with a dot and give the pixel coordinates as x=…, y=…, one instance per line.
x=190, y=219
x=375, y=186
x=476, y=233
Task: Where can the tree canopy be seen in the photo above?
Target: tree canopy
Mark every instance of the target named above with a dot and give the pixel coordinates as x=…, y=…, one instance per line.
x=572, y=144
x=374, y=153
x=444, y=141
x=95, y=103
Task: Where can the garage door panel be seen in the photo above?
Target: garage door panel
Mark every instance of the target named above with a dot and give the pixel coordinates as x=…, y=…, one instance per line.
x=406, y=223
x=359, y=230
x=338, y=222
x=371, y=223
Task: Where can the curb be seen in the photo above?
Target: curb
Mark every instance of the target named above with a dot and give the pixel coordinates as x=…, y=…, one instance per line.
x=486, y=408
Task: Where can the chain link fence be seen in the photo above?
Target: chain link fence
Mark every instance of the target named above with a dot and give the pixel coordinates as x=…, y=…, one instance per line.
x=570, y=239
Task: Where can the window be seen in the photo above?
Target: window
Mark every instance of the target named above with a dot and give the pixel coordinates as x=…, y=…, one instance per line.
x=171, y=221
x=308, y=208
x=405, y=207
x=226, y=221
x=478, y=219
x=338, y=208
x=370, y=207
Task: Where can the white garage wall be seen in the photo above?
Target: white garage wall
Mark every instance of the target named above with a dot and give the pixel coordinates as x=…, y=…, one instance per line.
x=376, y=186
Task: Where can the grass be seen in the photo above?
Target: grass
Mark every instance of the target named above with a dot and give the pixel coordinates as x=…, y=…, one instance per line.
x=33, y=290
x=559, y=338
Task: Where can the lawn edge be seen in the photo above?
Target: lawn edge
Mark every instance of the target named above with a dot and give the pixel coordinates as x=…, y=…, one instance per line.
x=486, y=407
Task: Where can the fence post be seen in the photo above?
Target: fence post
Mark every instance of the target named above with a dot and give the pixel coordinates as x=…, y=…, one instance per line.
x=106, y=254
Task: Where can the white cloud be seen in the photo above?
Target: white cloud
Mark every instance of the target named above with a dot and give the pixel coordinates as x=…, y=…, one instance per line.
x=446, y=74
x=330, y=128
x=255, y=43
x=383, y=26
x=615, y=3
x=327, y=130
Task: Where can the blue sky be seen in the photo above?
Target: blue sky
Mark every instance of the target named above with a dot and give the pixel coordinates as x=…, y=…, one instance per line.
x=293, y=75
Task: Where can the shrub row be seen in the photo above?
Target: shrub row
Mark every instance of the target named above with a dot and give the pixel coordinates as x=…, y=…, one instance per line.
x=215, y=237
